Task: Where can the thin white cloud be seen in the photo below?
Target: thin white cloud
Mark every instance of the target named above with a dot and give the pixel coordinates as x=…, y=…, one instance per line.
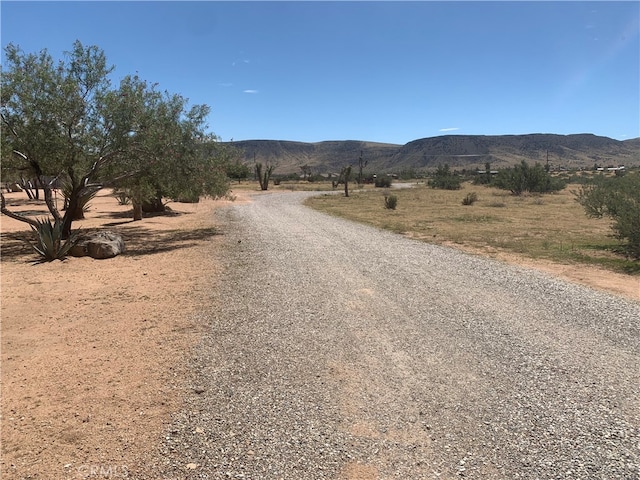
x=450, y=129
x=250, y=91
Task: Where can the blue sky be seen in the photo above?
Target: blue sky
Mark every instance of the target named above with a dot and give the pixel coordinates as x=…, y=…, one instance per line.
x=378, y=71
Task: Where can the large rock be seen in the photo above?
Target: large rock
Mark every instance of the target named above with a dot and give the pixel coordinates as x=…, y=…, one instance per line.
x=98, y=245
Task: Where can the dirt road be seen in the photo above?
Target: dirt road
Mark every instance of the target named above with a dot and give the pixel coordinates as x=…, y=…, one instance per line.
x=340, y=351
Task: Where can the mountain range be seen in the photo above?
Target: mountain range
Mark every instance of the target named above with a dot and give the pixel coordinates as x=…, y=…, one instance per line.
x=458, y=151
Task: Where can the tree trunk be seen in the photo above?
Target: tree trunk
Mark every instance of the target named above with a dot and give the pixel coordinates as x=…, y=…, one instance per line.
x=267, y=176
x=346, y=175
x=51, y=204
x=68, y=218
x=263, y=176
x=78, y=214
x=26, y=188
x=137, y=210
x=153, y=206
x=36, y=187
x=259, y=175
x=15, y=216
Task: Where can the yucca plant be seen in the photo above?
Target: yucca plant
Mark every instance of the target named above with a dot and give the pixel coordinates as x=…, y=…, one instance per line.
x=49, y=242
x=83, y=197
x=123, y=197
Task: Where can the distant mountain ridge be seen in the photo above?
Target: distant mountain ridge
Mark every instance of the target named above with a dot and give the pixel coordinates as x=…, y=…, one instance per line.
x=459, y=151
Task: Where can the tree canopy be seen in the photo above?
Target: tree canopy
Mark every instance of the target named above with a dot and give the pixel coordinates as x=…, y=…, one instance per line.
x=445, y=179
x=524, y=178
x=64, y=120
x=619, y=199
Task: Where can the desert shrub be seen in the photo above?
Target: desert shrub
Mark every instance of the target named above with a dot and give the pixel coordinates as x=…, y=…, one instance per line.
x=49, y=242
x=481, y=179
x=578, y=178
x=619, y=199
x=390, y=202
x=316, y=177
x=470, y=198
x=524, y=178
x=444, y=179
x=408, y=174
x=383, y=181
x=122, y=196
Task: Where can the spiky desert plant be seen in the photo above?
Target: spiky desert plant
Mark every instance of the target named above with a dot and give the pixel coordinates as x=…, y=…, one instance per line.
x=84, y=197
x=49, y=242
x=264, y=174
x=123, y=196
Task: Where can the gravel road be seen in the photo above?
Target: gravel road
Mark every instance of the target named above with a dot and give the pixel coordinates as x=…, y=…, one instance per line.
x=337, y=350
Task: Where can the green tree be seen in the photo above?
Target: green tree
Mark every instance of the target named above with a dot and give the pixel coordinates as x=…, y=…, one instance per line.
x=618, y=198
x=444, y=179
x=63, y=120
x=524, y=178
x=238, y=171
x=51, y=125
x=169, y=155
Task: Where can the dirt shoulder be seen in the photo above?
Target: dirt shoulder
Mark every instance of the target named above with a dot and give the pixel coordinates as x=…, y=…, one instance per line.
x=94, y=352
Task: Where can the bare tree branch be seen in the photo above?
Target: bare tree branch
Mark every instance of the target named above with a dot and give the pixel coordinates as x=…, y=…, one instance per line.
x=14, y=215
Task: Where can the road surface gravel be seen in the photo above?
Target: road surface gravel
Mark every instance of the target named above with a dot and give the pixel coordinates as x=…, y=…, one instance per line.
x=339, y=351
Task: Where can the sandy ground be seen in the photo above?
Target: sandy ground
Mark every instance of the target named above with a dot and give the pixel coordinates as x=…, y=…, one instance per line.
x=92, y=349
x=94, y=352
